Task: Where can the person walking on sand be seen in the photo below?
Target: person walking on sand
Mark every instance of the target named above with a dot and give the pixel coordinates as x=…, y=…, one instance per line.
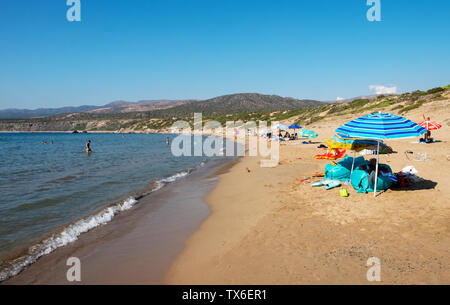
x=88, y=147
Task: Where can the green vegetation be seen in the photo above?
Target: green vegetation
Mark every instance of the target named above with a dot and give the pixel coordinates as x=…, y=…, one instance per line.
x=435, y=90
x=315, y=119
x=80, y=127
x=359, y=103
x=379, y=105
x=397, y=107
x=418, y=93
x=437, y=97
x=413, y=106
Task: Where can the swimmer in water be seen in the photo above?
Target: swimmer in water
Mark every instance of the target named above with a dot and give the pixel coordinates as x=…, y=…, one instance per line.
x=167, y=141
x=88, y=147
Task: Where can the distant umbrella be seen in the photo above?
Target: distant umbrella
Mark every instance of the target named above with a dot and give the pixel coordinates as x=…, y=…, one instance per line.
x=306, y=133
x=280, y=126
x=430, y=125
x=295, y=126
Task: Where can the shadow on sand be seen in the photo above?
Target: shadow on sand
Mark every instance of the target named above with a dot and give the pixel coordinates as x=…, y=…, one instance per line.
x=423, y=184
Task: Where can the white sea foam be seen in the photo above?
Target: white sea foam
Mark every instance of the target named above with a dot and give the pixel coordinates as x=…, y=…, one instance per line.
x=175, y=177
x=67, y=236
x=73, y=231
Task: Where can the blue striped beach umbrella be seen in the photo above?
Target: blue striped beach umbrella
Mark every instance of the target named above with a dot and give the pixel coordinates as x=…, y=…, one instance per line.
x=380, y=126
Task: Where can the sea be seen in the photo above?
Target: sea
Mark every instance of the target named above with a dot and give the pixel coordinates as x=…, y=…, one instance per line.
x=52, y=191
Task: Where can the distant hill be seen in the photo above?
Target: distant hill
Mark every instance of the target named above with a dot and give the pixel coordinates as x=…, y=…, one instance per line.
x=41, y=112
x=243, y=102
x=117, y=106
x=223, y=104
x=120, y=117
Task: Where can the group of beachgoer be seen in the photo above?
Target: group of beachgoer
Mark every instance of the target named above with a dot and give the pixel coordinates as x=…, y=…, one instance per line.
x=287, y=136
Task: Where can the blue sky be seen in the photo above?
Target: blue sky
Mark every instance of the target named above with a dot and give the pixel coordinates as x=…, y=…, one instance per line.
x=178, y=49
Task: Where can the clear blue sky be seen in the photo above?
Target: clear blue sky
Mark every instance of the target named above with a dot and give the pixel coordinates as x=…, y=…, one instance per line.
x=178, y=49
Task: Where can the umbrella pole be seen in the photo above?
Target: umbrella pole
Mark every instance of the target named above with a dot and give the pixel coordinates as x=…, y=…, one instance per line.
x=376, y=169
x=353, y=164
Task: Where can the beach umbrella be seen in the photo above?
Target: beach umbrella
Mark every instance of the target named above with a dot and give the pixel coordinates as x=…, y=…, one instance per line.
x=306, y=133
x=430, y=125
x=294, y=127
x=380, y=126
x=336, y=142
x=280, y=126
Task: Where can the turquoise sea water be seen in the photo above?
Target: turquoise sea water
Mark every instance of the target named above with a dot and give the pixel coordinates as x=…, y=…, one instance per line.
x=47, y=188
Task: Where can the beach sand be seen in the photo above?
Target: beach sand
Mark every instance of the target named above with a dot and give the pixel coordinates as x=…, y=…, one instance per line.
x=266, y=227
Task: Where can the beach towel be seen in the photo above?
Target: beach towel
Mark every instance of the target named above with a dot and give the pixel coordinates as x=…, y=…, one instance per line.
x=329, y=156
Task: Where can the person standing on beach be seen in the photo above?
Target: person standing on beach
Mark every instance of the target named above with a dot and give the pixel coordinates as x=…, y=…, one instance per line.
x=428, y=134
x=88, y=147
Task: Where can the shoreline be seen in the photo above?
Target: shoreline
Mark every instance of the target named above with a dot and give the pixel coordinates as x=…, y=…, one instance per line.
x=161, y=201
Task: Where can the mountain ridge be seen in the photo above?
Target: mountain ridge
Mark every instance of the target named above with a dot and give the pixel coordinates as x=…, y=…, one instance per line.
x=232, y=102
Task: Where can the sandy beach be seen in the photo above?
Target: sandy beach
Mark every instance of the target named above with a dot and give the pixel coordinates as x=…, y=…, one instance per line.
x=266, y=227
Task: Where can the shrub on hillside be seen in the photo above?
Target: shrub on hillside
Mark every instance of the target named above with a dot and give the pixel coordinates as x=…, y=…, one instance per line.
x=435, y=90
x=411, y=107
x=418, y=93
x=359, y=103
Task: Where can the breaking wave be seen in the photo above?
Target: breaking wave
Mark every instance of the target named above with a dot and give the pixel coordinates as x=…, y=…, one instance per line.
x=71, y=233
